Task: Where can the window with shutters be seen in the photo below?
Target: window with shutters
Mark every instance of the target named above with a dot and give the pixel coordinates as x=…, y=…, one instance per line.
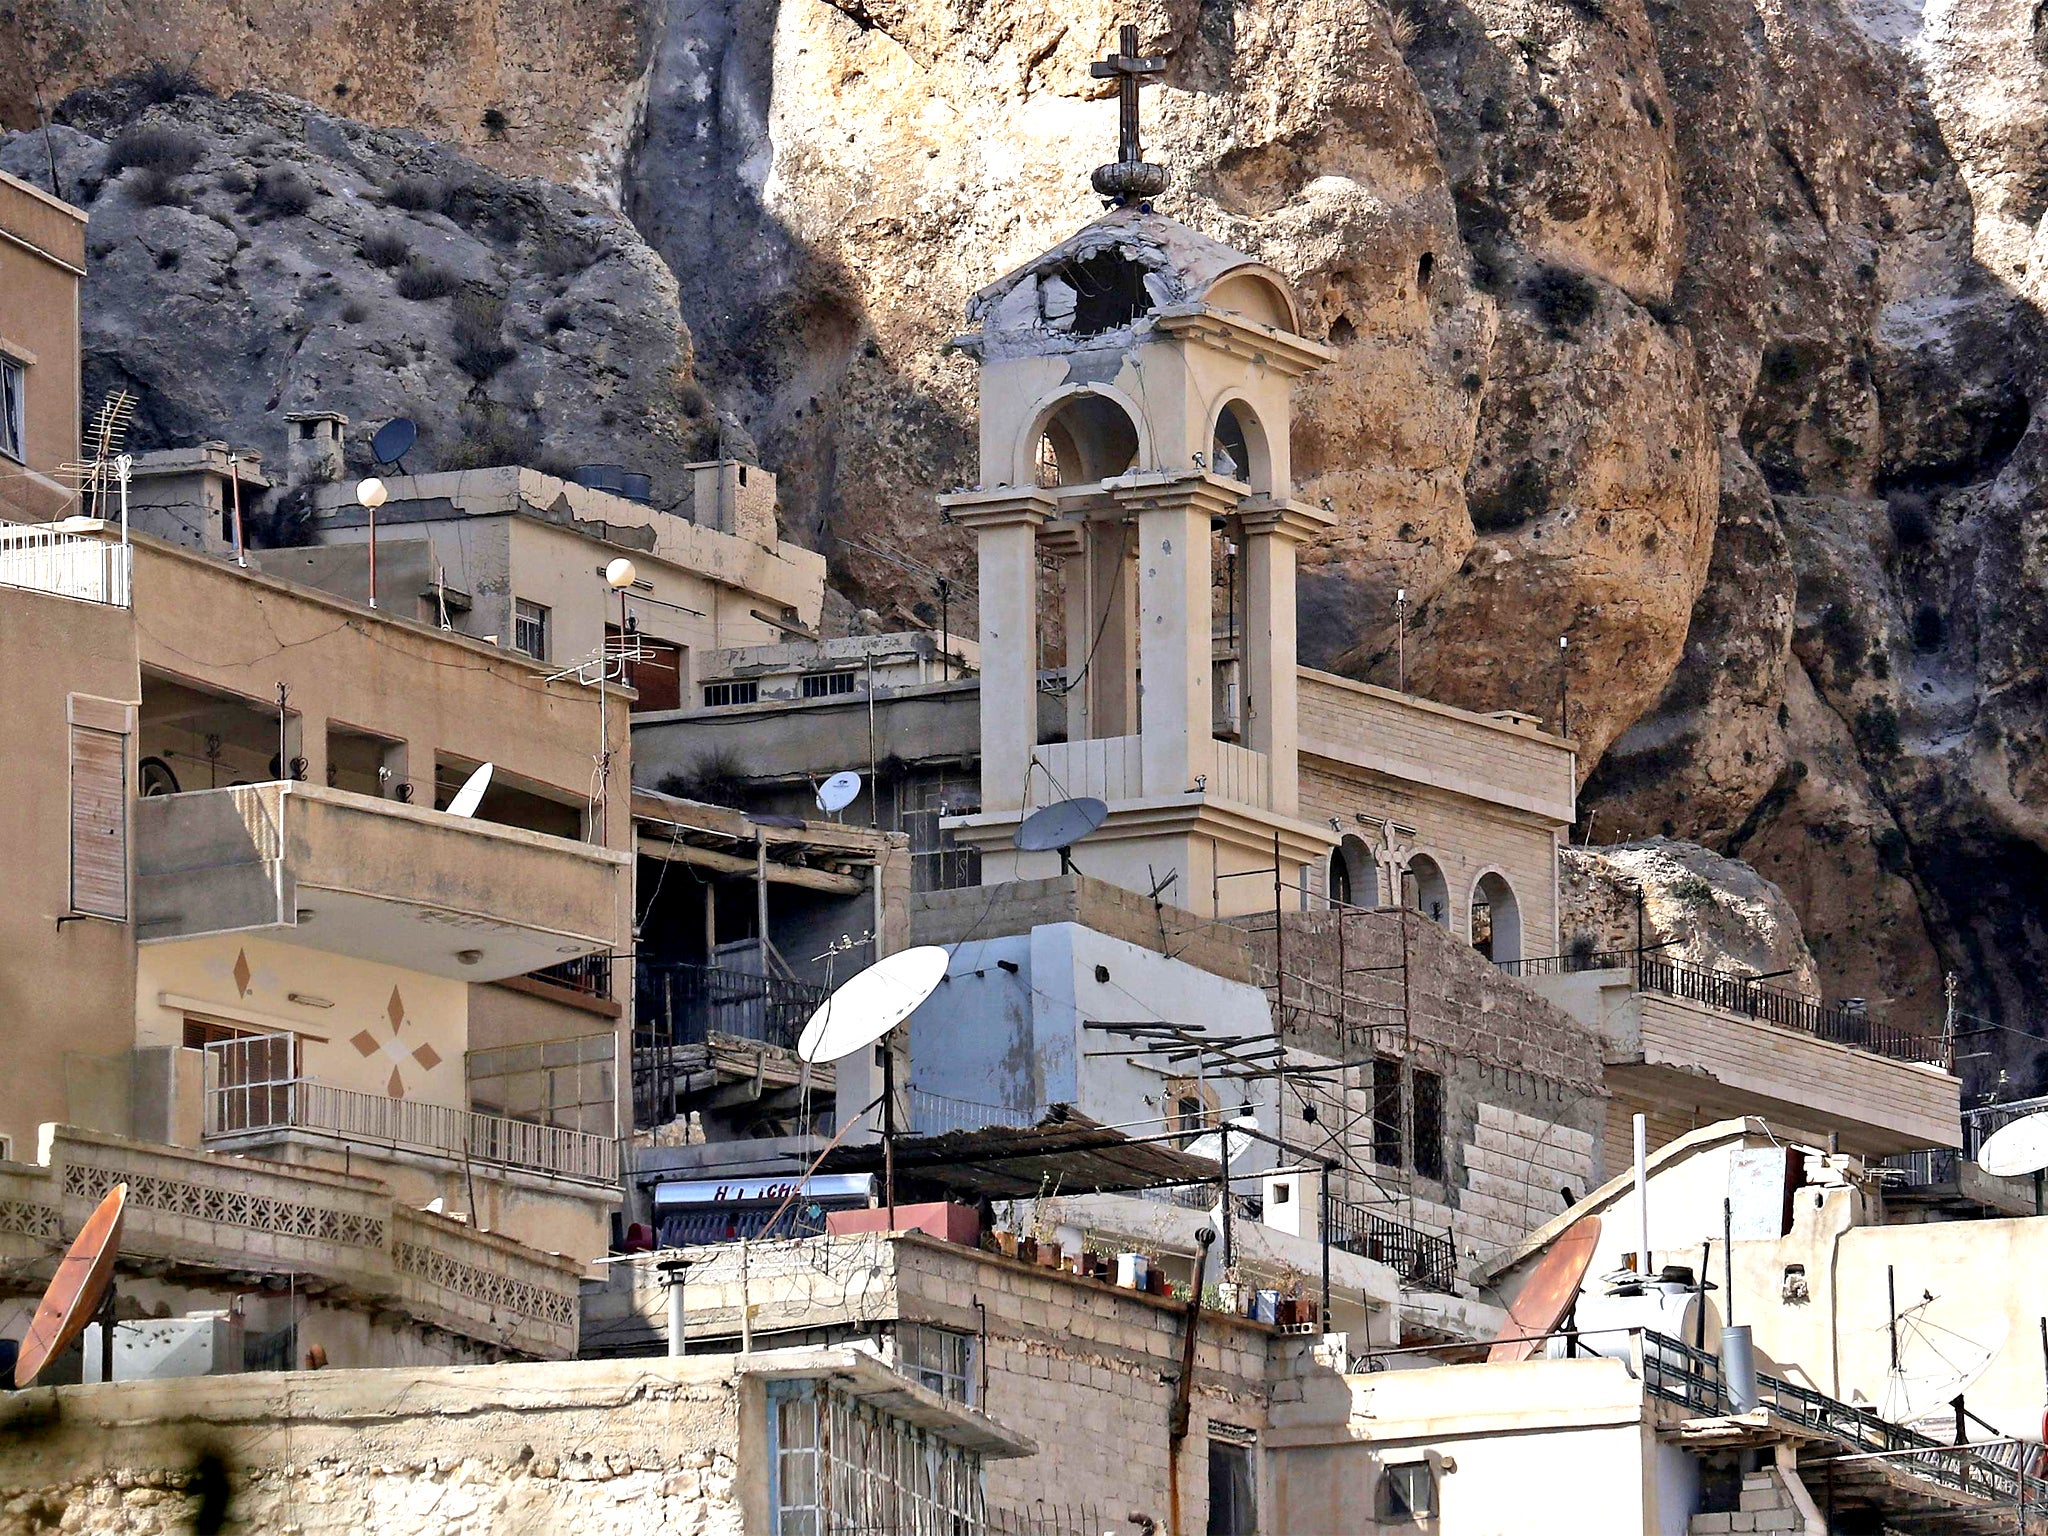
x=1429, y=1124
x=1386, y=1112
x=99, y=808
x=13, y=409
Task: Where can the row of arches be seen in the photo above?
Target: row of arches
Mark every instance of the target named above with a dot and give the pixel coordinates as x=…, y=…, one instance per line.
x=1494, y=926
x=1094, y=433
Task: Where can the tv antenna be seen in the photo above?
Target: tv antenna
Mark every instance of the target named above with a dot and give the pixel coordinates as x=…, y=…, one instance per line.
x=864, y=1009
x=1057, y=827
x=108, y=461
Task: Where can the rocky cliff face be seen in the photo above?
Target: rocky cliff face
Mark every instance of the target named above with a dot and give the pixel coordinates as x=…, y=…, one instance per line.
x=253, y=256
x=1706, y=334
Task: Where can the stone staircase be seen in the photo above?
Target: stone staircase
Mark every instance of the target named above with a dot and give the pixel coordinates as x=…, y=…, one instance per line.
x=1767, y=1505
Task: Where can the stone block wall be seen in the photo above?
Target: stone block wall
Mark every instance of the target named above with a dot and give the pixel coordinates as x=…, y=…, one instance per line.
x=599, y=1448
x=1767, y=1506
x=1078, y=1368
x=1523, y=1101
x=952, y=916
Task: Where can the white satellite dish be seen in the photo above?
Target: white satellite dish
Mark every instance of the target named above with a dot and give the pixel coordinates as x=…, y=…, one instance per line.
x=873, y=1003
x=471, y=795
x=1210, y=1147
x=2014, y=1150
x=838, y=792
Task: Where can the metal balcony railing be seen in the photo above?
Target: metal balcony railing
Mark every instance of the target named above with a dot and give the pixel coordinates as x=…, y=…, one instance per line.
x=678, y=1006
x=1838, y=1022
x=1422, y=1259
x=1679, y=1373
x=42, y=559
x=237, y=1108
x=589, y=974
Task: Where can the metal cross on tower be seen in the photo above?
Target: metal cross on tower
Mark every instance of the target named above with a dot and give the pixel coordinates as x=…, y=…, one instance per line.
x=1130, y=178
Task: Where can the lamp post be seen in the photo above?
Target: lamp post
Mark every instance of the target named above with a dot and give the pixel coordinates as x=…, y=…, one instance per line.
x=674, y=1272
x=1401, y=640
x=370, y=495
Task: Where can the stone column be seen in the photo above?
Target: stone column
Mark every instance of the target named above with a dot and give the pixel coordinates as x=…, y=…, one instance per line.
x=1005, y=523
x=1067, y=542
x=1175, y=712
x=1273, y=531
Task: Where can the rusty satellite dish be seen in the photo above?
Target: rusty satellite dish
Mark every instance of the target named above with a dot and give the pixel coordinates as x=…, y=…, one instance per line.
x=76, y=1290
x=1549, y=1293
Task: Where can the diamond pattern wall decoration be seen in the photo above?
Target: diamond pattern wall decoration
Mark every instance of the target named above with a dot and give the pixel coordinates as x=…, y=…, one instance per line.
x=425, y=1057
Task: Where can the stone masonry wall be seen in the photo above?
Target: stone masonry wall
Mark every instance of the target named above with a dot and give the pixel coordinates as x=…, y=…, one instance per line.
x=1523, y=1104
x=599, y=1448
x=1078, y=1368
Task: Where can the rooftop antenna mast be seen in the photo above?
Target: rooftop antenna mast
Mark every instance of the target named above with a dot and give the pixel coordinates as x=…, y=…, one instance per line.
x=106, y=457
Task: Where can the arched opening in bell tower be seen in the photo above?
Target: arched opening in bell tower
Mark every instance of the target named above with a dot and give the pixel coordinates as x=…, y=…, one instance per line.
x=1237, y=446
x=1084, y=438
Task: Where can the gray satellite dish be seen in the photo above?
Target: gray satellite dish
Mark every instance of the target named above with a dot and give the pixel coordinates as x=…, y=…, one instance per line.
x=2015, y=1150
x=1057, y=827
x=838, y=792
x=871, y=1004
x=394, y=441
x=471, y=795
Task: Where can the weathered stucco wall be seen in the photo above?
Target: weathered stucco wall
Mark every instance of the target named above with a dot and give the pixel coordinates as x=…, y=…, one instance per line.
x=607, y=1448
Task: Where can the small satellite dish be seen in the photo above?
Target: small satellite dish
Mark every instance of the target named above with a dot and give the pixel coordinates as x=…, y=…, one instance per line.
x=76, y=1290
x=394, y=441
x=838, y=792
x=2015, y=1150
x=471, y=795
x=1211, y=1145
x=1057, y=827
x=873, y=1003
x=1546, y=1297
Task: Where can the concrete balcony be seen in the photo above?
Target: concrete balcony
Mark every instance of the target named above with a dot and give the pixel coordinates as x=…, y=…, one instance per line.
x=1720, y=1052
x=355, y=875
x=230, y=1221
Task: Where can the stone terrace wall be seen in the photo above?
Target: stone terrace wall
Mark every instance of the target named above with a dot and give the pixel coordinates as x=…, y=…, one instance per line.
x=982, y=912
x=628, y=1448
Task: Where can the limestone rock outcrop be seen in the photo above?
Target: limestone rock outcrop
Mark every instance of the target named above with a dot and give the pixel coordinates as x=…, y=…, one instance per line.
x=252, y=256
x=1696, y=908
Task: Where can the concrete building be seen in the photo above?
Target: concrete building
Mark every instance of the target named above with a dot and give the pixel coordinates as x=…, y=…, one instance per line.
x=517, y=558
x=42, y=267
x=255, y=933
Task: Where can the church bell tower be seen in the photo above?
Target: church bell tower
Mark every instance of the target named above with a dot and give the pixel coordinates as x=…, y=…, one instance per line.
x=1136, y=389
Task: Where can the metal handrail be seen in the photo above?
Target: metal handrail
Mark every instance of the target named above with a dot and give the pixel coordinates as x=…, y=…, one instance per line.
x=1790, y=1010
x=40, y=558
x=1678, y=1373
x=238, y=1108
x=1420, y=1258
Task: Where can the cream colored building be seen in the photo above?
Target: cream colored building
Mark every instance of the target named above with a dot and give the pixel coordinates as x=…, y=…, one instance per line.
x=517, y=558
x=42, y=266
x=254, y=932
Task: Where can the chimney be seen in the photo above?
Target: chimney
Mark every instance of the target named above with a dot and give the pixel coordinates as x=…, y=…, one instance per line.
x=313, y=445
x=730, y=497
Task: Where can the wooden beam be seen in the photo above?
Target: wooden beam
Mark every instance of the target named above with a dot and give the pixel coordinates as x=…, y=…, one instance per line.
x=733, y=864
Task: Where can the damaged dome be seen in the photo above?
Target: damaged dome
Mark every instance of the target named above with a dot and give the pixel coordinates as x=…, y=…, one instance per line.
x=1106, y=280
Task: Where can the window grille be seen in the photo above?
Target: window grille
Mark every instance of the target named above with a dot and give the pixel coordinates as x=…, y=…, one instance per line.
x=1407, y=1492
x=13, y=409
x=719, y=695
x=825, y=685
x=1386, y=1112
x=530, y=628
x=843, y=1468
x=1429, y=1124
x=939, y=1358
